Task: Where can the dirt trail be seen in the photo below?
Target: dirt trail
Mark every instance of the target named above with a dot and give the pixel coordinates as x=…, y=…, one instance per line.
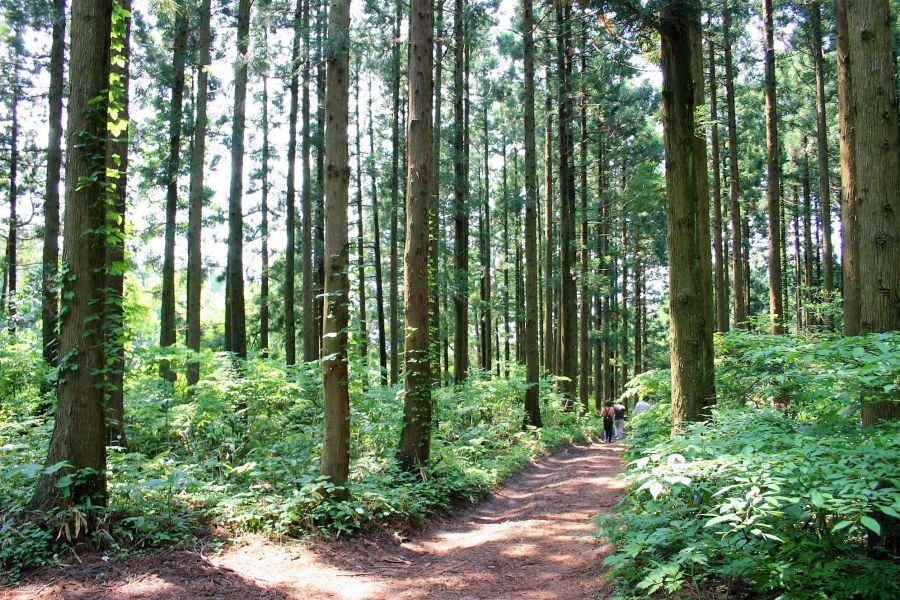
x=531, y=540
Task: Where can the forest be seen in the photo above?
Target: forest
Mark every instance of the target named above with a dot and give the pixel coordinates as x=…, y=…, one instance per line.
x=362, y=281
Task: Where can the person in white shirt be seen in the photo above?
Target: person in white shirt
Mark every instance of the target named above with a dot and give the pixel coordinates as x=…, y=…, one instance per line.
x=640, y=407
x=621, y=412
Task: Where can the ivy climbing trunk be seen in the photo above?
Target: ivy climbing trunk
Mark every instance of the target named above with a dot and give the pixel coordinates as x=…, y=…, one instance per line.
x=79, y=431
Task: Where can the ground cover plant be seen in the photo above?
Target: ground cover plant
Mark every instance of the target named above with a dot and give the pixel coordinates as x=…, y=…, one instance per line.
x=786, y=502
x=195, y=462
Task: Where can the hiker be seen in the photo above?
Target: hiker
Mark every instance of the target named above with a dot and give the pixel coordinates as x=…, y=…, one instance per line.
x=621, y=413
x=640, y=407
x=609, y=414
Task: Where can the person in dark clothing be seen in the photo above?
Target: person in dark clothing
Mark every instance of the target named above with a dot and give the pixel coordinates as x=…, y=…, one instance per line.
x=609, y=414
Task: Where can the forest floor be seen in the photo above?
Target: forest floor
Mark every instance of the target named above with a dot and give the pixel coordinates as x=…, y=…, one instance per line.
x=531, y=540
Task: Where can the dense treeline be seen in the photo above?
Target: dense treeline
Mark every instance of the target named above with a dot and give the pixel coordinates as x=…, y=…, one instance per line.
x=423, y=201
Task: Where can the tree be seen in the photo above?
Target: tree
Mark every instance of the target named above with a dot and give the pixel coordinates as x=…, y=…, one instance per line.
x=290, y=333
x=568, y=335
x=690, y=281
x=78, y=433
x=379, y=287
x=822, y=145
x=876, y=157
x=167, y=308
x=721, y=290
x=395, y=200
x=310, y=332
x=773, y=203
x=12, y=237
x=461, y=211
x=50, y=255
x=739, y=285
x=435, y=216
x=117, y=172
x=235, y=316
x=415, y=437
x=549, y=346
x=336, y=441
x=195, y=212
x=532, y=360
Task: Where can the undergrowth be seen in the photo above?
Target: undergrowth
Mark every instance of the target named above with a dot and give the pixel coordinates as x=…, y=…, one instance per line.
x=780, y=494
x=196, y=461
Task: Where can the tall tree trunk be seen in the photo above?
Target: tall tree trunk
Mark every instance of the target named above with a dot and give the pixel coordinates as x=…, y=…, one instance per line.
x=395, y=200
x=308, y=300
x=195, y=212
x=721, y=289
x=290, y=250
x=849, y=207
x=176, y=102
x=379, y=288
x=319, y=208
x=264, y=223
x=50, y=255
x=79, y=430
x=822, y=151
x=549, y=346
x=461, y=212
x=568, y=338
x=360, y=240
x=435, y=215
x=117, y=169
x=807, y=238
x=600, y=318
x=487, y=351
x=506, y=207
x=336, y=439
x=532, y=361
x=738, y=278
x=235, y=316
x=12, y=238
x=877, y=168
x=638, y=320
x=415, y=438
x=690, y=284
x=584, y=359
x=776, y=308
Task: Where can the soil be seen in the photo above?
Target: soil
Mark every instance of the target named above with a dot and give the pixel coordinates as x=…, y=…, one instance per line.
x=531, y=540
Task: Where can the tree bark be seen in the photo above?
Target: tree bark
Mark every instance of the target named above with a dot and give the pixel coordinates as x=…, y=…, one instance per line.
x=176, y=102
x=549, y=346
x=435, y=215
x=235, y=316
x=290, y=250
x=721, y=289
x=12, y=238
x=738, y=277
x=568, y=338
x=395, y=200
x=532, y=361
x=50, y=254
x=360, y=241
x=487, y=327
x=584, y=358
x=877, y=168
x=264, y=210
x=415, y=437
x=776, y=307
x=336, y=440
x=197, y=193
x=379, y=288
x=310, y=331
x=822, y=140
x=461, y=211
x=690, y=301
x=79, y=431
